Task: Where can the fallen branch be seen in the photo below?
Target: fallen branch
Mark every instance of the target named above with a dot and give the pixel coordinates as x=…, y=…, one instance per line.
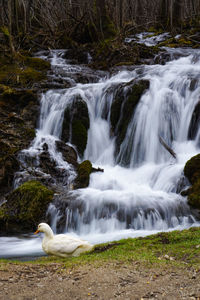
x=167, y=147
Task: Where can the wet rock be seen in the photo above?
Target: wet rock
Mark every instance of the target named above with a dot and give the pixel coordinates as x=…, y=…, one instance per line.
x=194, y=124
x=76, y=56
x=76, y=124
x=192, y=172
x=25, y=207
x=47, y=164
x=194, y=195
x=8, y=166
x=64, y=203
x=84, y=170
x=192, y=169
x=69, y=153
x=126, y=99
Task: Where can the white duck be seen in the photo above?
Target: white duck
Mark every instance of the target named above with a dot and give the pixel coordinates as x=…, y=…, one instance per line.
x=61, y=244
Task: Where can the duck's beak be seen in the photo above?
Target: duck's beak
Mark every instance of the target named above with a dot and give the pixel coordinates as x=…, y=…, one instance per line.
x=37, y=231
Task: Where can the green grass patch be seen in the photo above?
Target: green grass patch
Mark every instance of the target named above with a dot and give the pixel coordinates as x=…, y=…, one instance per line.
x=177, y=248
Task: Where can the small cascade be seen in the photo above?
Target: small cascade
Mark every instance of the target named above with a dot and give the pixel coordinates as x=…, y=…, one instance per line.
x=144, y=196
x=139, y=191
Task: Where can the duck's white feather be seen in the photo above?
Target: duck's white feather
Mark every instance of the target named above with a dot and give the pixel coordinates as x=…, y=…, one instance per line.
x=61, y=244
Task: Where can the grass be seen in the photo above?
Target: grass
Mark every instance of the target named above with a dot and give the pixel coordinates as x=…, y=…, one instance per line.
x=176, y=248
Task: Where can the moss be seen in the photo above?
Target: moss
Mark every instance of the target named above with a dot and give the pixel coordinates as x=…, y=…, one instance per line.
x=30, y=75
x=79, y=136
x=5, y=31
x=184, y=41
x=194, y=195
x=83, y=177
x=22, y=70
x=85, y=166
x=36, y=63
x=30, y=133
x=26, y=206
x=5, y=90
x=20, y=76
x=192, y=169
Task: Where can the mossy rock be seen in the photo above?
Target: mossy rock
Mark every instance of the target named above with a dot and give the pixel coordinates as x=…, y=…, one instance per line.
x=194, y=195
x=36, y=63
x=192, y=169
x=23, y=71
x=76, y=124
x=123, y=107
x=83, y=177
x=79, y=136
x=25, y=207
x=195, y=120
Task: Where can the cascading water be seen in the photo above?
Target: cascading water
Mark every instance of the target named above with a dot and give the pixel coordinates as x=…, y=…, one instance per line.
x=142, y=197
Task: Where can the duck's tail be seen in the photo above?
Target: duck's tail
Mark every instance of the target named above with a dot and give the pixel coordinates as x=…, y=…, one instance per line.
x=83, y=248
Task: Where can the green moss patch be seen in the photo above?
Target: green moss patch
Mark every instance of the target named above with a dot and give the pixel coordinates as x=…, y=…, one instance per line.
x=83, y=177
x=26, y=206
x=192, y=169
x=22, y=71
x=194, y=195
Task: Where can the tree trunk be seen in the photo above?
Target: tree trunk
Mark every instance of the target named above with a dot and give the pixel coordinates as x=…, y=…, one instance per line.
x=12, y=48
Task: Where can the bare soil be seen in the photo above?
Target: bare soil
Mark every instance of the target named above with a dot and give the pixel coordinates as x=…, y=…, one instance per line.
x=110, y=281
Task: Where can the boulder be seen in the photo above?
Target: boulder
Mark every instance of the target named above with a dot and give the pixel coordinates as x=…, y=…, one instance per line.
x=194, y=195
x=126, y=99
x=195, y=122
x=83, y=177
x=192, y=169
x=25, y=207
x=76, y=124
x=69, y=153
x=192, y=172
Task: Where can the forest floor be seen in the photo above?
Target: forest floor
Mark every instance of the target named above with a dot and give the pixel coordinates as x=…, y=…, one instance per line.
x=161, y=266
x=109, y=281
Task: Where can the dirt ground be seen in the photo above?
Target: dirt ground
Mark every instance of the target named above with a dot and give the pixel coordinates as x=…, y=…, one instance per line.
x=111, y=281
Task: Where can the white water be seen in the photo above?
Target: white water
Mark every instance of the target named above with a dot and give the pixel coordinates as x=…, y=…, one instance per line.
x=142, y=198
x=148, y=38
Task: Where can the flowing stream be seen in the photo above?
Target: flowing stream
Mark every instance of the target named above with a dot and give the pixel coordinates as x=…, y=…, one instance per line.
x=139, y=191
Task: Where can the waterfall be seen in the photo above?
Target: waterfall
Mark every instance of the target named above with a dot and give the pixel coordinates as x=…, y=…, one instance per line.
x=143, y=196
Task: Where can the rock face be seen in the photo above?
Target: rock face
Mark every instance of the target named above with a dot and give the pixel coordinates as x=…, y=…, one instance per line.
x=25, y=207
x=18, y=116
x=76, y=124
x=69, y=154
x=192, y=172
x=195, y=121
x=123, y=106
